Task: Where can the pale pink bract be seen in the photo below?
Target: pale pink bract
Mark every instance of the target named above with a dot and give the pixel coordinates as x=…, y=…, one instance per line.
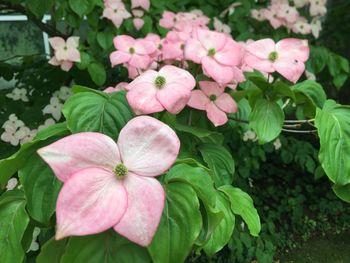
x=214, y=101
x=108, y=184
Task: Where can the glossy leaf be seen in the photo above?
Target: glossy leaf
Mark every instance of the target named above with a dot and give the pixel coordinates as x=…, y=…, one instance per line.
x=266, y=120
x=97, y=73
x=179, y=227
x=94, y=111
x=204, y=135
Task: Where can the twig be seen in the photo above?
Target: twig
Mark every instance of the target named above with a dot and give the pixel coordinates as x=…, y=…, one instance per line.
x=299, y=131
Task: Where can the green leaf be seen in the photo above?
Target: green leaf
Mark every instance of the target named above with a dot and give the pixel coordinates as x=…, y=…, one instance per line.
x=82, y=7
x=242, y=204
x=84, y=60
x=243, y=113
x=219, y=161
x=53, y=250
x=266, y=120
x=96, y=112
x=311, y=91
x=204, y=135
x=318, y=59
x=13, y=224
x=11, y=165
x=283, y=89
x=41, y=188
x=333, y=127
x=342, y=191
x=39, y=7
x=105, y=39
x=179, y=227
x=339, y=69
x=223, y=232
x=108, y=247
x=97, y=73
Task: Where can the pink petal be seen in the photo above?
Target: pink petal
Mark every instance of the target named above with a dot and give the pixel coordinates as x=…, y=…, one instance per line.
x=195, y=51
x=231, y=54
x=215, y=115
x=172, y=51
x=145, y=4
x=73, y=42
x=73, y=54
x=79, y=151
x=148, y=147
x=53, y=61
x=119, y=57
x=293, y=48
x=140, y=61
x=138, y=23
x=66, y=65
x=145, y=47
x=290, y=69
x=91, y=201
x=261, y=48
x=211, y=88
x=226, y=103
x=145, y=206
x=174, y=97
x=57, y=42
x=147, y=77
x=198, y=100
x=177, y=75
x=142, y=98
x=211, y=39
x=263, y=65
x=220, y=73
x=123, y=42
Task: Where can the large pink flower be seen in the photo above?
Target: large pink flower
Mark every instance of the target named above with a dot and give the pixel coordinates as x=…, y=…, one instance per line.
x=108, y=184
x=153, y=91
x=214, y=101
x=219, y=54
x=287, y=57
x=135, y=52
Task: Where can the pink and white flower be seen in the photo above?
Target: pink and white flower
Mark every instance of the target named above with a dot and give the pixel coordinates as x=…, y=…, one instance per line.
x=145, y=4
x=214, y=101
x=287, y=57
x=115, y=11
x=169, y=89
x=108, y=184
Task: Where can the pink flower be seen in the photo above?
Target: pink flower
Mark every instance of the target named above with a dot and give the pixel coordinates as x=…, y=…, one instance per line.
x=64, y=64
x=288, y=13
x=115, y=11
x=153, y=91
x=138, y=23
x=118, y=87
x=287, y=57
x=168, y=20
x=174, y=45
x=214, y=101
x=66, y=50
x=135, y=52
x=318, y=7
x=108, y=184
x=219, y=54
x=145, y=4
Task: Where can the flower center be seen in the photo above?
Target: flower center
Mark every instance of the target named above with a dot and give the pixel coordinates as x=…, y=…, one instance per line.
x=211, y=52
x=182, y=46
x=273, y=56
x=65, y=48
x=212, y=97
x=131, y=50
x=160, y=82
x=120, y=171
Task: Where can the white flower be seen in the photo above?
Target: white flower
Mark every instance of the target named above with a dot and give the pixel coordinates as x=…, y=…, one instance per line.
x=277, y=144
x=249, y=136
x=63, y=94
x=316, y=27
x=34, y=246
x=54, y=108
x=18, y=94
x=29, y=136
x=11, y=184
x=13, y=122
x=310, y=75
x=46, y=124
x=11, y=127
x=221, y=27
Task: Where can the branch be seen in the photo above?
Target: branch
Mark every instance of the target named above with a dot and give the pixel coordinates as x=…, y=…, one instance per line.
x=298, y=131
x=51, y=31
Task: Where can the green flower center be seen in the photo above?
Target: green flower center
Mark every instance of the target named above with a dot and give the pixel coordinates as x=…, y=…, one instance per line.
x=131, y=50
x=120, y=171
x=211, y=52
x=212, y=97
x=160, y=82
x=65, y=48
x=273, y=56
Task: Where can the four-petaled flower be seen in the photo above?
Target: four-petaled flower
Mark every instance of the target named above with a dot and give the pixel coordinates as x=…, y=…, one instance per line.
x=108, y=184
x=214, y=101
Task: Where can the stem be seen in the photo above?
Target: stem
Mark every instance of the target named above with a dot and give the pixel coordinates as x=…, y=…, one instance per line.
x=51, y=31
x=299, y=121
x=285, y=104
x=298, y=131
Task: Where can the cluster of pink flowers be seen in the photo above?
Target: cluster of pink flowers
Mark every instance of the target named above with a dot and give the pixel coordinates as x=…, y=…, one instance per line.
x=159, y=85
x=116, y=11
x=281, y=13
x=66, y=52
